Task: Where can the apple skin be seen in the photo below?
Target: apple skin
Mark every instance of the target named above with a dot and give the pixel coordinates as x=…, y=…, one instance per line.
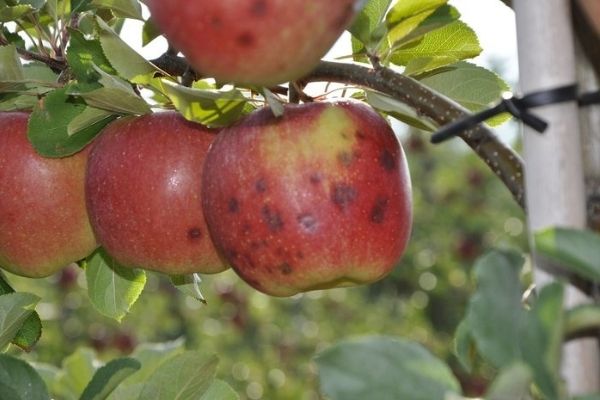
x=318, y=198
x=44, y=225
x=143, y=189
x=254, y=42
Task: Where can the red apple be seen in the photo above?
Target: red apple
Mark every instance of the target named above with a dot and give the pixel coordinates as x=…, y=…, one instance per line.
x=318, y=198
x=43, y=220
x=257, y=42
x=143, y=194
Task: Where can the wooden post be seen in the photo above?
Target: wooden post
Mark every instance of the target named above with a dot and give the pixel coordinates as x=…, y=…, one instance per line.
x=554, y=175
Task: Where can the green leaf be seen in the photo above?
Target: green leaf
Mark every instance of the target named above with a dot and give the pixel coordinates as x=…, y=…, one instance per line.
x=495, y=314
x=220, y=390
x=77, y=371
x=576, y=250
x=8, y=14
x=474, y=87
x=85, y=55
x=126, y=61
x=15, y=308
x=152, y=355
x=368, y=27
x=127, y=392
x=464, y=347
x=398, y=110
x=189, y=285
x=18, y=380
x=149, y=32
x=409, y=8
x=107, y=378
x=206, y=106
x=512, y=383
x=383, y=368
x=121, y=8
x=114, y=101
x=31, y=330
x=112, y=288
x=541, y=339
x=49, y=374
x=274, y=103
x=10, y=64
x=89, y=116
x=444, y=46
x=588, y=397
x=185, y=376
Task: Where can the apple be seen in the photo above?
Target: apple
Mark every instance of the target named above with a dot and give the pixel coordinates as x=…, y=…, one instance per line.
x=143, y=188
x=254, y=42
x=318, y=198
x=44, y=225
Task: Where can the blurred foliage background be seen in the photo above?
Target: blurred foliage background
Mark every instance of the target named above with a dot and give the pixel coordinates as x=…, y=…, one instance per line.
x=266, y=344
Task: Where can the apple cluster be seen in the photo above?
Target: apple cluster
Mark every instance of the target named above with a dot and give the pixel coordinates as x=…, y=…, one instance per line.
x=315, y=199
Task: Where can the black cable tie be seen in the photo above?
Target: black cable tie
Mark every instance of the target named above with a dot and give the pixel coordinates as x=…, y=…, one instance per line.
x=590, y=98
x=518, y=107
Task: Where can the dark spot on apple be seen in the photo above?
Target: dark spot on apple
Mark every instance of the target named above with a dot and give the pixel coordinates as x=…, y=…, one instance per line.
x=246, y=261
x=345, y=158
x=359, y=135
x=379, y=209
x=216, y=21
x=308, y=222
x=246, y=228
x=259, y=8
x=246, y=39
x=233, y=206
x=286, y=268
x=254, y=245
x=194, y=233
x=300, y=255
x=272, y=218
x=261, y=186
x=231, y=254
x=386, y=160
x=316, y=178
x=343, y=195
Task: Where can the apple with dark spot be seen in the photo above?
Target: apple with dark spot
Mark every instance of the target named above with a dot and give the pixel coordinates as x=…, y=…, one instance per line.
x=44, y=225
x=143, y=189
x=255, y=42
x=315, y=199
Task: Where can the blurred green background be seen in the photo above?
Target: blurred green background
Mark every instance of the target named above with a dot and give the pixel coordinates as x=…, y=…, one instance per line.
x=266, y=344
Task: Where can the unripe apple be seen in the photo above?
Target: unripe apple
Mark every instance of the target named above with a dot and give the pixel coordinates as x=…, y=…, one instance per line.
x=144, y=194
x=257, y=42
x=44, y=225
x=315, y=199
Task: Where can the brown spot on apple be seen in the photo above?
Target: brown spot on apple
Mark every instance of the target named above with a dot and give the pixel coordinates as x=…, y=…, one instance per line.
x=386, y=160
x=343, y=195
x=359, y=135
x=259, y=8
x=316, y=178
x=379, y=209
x=233, y=205
x=261, y=186
x=246, y=39
x=286, y=268
x=272, y=218
x=345, y=158
x=307, y=222
x=194, y=233
x=216, y=21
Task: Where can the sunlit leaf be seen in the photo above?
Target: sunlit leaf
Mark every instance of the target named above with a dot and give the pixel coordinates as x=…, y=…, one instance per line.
x=121, y=8
x=189, y=285
x=15, y=308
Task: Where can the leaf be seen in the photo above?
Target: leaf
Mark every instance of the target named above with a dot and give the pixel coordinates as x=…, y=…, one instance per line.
x=185, y=376
x=451, y=43
x=126, y=61
x=220, y=390
x=107, y=378
x=576, y=250
x=474, y=87
x=89, y=116
x=189, y=285
x=127, y=392
x=383, y=368
x=115, y=101
x=85, y=55
x=149, y=32
x=31, y=330
x=10, y=64
x=368, y=27
x=77, y=371
x=511, y=384
x=274, y=103
x=49, y=123
x=210, y=107
x=588, y=397
x=541, y=339
x=464, y=347
x=152, y=355
x=409, y=8
x=8, y=14
x=398, y=110
x=112, y=289
x=15, y=308
x=121, y=8
x=495, y=314
x=19, y=381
